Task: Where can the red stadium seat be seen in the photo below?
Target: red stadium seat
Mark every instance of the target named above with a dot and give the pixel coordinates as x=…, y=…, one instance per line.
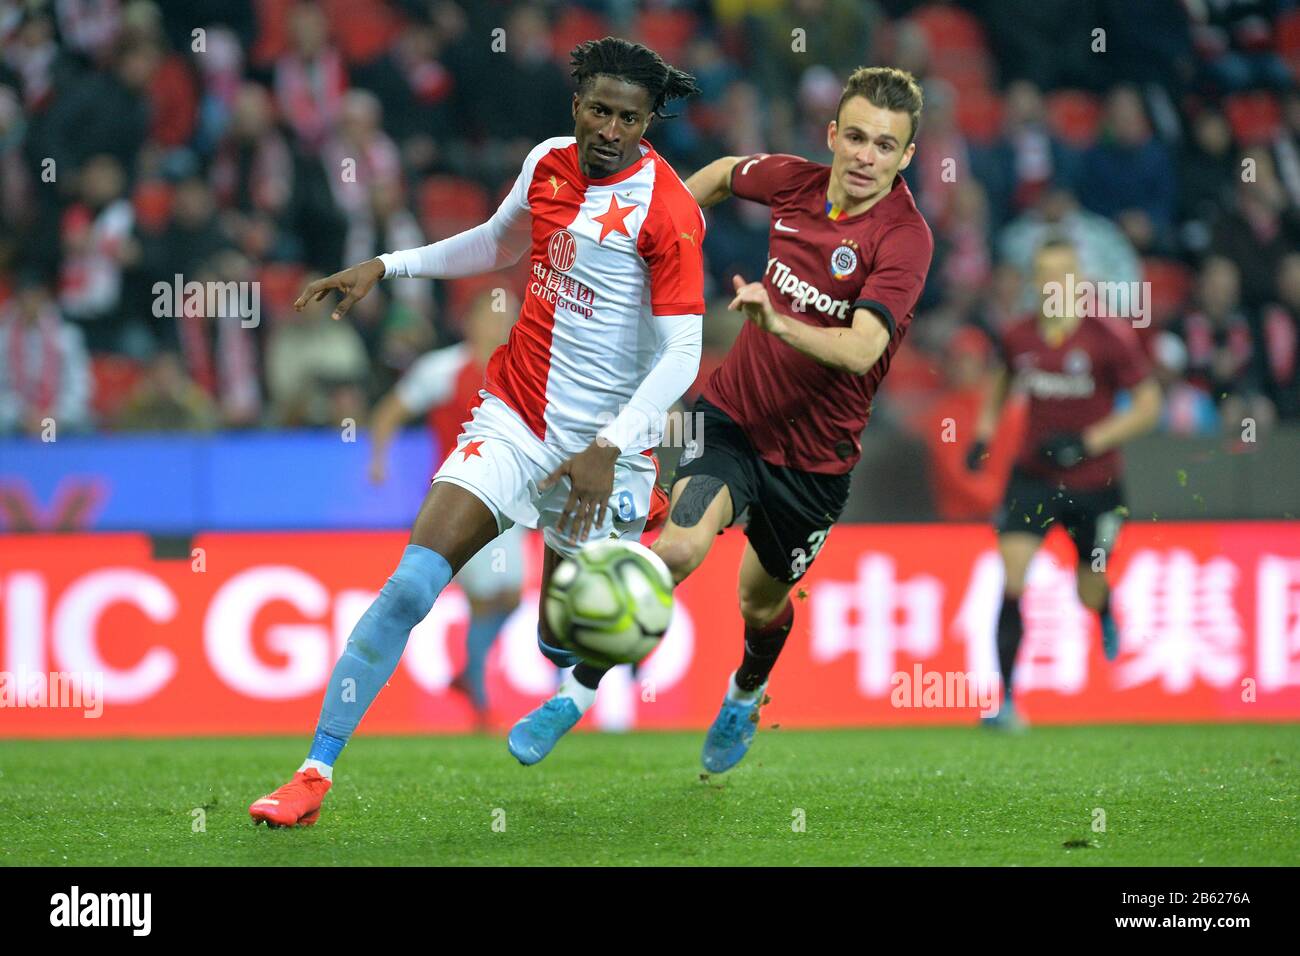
x=1074, y=116
x=959, y=52
x=113, y=378
x=272, y=31
x=948, y=29
x=152, y=201
x=1171, y=285
x=574, y=26
x=1288, y=40
x=666, y=31
x=361, y=29
x=280, y=283
x=979, y=113
x=1254, y=117
x=449, y=204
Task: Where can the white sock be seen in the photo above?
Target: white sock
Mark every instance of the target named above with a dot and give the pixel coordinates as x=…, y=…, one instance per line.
x=324, y=769
x=743, y=696
x=583, y=697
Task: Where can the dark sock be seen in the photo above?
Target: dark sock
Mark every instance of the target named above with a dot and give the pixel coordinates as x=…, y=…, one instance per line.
x=1010, y=629
x=762, y=648
x=1105, y=606
x=589, y=675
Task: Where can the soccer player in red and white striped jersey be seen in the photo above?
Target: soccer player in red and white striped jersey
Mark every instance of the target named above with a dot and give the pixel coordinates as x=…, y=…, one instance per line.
x=607, y=339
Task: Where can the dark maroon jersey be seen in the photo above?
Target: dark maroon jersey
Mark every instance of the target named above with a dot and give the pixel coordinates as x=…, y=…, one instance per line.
x=1072, y=386
x=797, y=412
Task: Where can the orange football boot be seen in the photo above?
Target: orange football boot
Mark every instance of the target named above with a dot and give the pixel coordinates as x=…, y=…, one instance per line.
x=296, y=804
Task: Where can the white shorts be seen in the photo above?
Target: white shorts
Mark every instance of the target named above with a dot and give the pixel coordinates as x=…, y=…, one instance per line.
x=499, y=460
x=497, y=569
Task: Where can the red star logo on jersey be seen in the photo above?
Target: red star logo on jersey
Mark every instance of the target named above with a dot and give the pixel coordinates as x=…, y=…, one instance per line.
x=612, y=219
x=471, y=448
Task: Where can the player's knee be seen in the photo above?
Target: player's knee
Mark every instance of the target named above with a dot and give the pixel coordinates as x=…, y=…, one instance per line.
x=682, y=554
x=758, y=612
x=408, y=597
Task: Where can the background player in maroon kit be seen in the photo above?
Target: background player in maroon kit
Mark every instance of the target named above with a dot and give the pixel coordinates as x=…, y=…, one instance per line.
x=847, y=259
x=1071, y=367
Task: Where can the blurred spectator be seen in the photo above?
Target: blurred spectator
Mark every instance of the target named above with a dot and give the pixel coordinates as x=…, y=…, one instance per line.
x=1105, y=253
x=166, y=399
x=1206, y=175
x=1259, y=230
x=316, y=369
x=1279, y=332
x=1130, y=175
x=310, y=79
x=17, y=205
x=416, y=89
x=1222, y=358
x=529, y=96
x=360, y=158
x=1187, y=410
x=33, y=54
x=89, y=28
x=252, y=174
x=98, y=245
x=192, y=237
x=966, y=262
x=219, y=350
x=942, y=156
x=1047, y=42
x=44, y=369
x=1286, y=148
x=104, y=112
x=841, y=32
x=1235, y=42
x=221, y=78
x=1025, y=159
x=173, y=97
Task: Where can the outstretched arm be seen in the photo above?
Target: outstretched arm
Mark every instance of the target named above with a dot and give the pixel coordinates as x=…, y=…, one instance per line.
x=712, y=184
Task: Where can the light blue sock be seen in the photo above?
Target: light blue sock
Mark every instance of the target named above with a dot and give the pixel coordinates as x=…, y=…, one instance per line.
x=483, y=631
x=375, y=647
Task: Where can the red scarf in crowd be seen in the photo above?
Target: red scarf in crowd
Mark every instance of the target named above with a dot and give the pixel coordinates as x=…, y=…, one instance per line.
x=37, y=386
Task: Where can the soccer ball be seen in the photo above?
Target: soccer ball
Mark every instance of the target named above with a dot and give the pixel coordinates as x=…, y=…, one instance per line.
x=610, y=603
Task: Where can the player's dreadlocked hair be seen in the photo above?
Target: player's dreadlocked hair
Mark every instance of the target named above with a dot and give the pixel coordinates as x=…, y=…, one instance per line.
x=632, y=63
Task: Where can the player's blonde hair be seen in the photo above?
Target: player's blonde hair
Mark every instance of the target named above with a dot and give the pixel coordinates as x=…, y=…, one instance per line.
x=887, y=88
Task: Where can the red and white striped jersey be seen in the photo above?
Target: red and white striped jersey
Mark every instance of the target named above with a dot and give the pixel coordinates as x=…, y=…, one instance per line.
x=607, y=256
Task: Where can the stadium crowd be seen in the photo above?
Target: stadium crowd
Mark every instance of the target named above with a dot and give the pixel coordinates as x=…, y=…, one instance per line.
x=147, y=145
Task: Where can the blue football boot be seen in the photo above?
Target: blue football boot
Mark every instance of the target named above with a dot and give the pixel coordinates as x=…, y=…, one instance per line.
x=732, y=732
x=540, y=730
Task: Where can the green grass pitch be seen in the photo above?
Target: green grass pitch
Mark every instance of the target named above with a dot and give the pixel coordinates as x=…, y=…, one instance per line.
x=1170, y=795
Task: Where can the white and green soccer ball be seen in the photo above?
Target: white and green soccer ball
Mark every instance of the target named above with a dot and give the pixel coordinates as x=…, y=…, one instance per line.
x=610, y=603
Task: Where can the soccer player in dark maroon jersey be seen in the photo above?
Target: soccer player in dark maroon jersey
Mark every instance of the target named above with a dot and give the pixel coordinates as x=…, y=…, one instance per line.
x=1067, y=473
x=848, y=255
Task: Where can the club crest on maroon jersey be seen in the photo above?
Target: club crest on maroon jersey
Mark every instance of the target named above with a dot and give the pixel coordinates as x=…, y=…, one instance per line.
x=562, y=250
x=844, y=259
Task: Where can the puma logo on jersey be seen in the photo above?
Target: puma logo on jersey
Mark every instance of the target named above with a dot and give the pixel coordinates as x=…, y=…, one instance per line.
x=690, y=236
x=557, y=185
